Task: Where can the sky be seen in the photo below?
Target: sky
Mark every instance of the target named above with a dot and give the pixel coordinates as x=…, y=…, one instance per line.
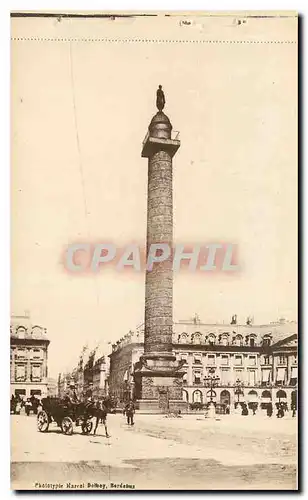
x=80, y=111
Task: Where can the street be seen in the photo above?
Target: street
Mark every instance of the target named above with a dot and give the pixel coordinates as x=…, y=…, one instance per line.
x=229, y=452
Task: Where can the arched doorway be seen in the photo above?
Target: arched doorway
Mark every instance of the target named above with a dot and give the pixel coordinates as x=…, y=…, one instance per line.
x=266, y=395
x=253, y=400
x=281, y=395
x=225, y=397
x=197, y=396
x=266, y=400
x=185, y=396
x=252, y=397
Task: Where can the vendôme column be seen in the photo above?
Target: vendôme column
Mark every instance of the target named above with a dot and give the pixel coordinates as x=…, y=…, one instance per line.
x=159, y=378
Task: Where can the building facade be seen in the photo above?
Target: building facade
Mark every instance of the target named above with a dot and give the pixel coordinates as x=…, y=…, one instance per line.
x=90, y=376
x=52, y=387
x=29, y=358
x=252, y=363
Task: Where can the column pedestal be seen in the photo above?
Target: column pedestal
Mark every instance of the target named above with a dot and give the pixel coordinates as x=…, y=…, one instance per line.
x=160, y=381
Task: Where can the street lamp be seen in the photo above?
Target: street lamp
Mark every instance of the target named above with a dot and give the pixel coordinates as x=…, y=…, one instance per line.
x=239, y=388
x=211, y=381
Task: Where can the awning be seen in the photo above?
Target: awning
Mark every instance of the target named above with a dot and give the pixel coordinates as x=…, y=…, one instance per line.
x=281, y=374
x=252, y=377
x=294, y=372
x=225, y=376
x=266, y=374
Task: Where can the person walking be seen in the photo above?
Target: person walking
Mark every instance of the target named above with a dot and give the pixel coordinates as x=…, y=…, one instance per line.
x=34, y=402
x=269, y=409
x=101, y=416
x=244, y=409
x=28, y=407
x=129, y=410
x=280, y=412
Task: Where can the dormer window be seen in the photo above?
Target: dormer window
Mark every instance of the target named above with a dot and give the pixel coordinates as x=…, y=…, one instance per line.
x=251, y=340
x=196, y=338
x=211, y=339
x=37, y=331
x=266, y=341
x=21, y=332
x=184, y=338
x=224, y=339
x=239, y=340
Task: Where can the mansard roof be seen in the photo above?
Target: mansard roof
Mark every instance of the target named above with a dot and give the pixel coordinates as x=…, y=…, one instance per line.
x=22, y=328
x=276, y=331
x=290, y=341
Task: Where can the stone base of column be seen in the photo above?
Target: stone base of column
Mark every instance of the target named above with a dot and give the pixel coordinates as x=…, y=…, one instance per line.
x=159, y=380
x=152, y=406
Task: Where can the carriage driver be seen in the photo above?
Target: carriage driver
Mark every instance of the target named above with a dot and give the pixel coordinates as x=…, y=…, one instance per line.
x=71, y=394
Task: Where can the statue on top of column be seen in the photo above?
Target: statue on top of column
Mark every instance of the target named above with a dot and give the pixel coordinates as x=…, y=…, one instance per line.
x=160, y=98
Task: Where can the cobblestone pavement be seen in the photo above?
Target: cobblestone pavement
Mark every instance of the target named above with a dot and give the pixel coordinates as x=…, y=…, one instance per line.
x=231, y=452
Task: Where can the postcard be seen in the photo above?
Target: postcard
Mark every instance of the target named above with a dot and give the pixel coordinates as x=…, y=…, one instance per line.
x=154, y=188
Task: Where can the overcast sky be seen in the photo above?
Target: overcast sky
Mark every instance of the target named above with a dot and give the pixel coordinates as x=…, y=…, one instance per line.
x=80, y=113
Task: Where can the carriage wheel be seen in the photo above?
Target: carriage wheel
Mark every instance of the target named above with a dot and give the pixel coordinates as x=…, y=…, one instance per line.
x=42, y=421
x=86, y=427
x=67, y=426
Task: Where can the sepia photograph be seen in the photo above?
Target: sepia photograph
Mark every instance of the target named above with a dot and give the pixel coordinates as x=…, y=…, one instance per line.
x=154, y=251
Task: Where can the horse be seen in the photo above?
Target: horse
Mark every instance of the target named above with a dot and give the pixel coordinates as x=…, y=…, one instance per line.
x=99, y=410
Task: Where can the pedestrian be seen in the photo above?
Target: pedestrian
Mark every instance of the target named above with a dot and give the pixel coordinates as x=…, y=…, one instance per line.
x=254, y=408
x=293, y=408
x=28, y=406
x=280, y=410
x=101, y=416
x=269, y=409
x=13, y=404
x=34, y=403
x=129, y=410
x=244, y=409
x=228, y=409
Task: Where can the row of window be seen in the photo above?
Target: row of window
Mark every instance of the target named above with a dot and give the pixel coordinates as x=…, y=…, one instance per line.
x=224, y=359
x=21, y=332
x=227, y=376
x=237, y=360
x=21, y=373
x=223, y=339
x=21, y=353
x=225, y=396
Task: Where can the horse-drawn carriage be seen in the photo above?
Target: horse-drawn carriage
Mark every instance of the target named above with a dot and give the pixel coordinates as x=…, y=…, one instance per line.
x=65, y=414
